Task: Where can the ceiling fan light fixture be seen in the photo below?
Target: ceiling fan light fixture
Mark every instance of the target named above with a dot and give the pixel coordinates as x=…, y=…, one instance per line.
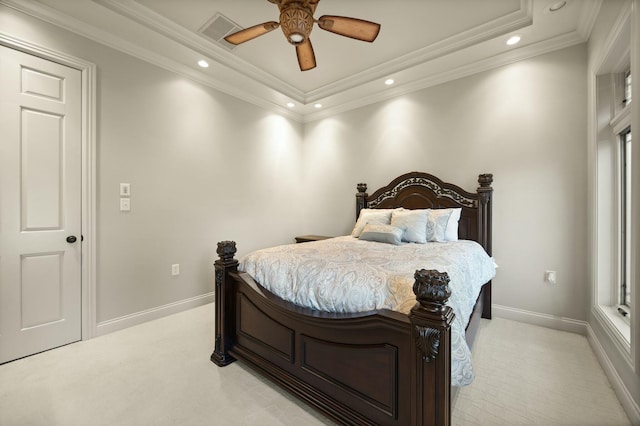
x=296, y=22
x=296, y=38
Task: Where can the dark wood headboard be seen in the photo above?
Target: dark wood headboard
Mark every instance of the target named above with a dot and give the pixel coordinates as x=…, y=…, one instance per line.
x=417, y=190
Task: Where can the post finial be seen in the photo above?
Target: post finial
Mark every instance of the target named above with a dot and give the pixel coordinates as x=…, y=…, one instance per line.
x=431, y=289
x=485, y=180
x=226, y=250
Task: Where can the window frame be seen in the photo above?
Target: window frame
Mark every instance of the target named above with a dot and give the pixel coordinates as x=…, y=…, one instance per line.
x=627, y=85
x=624, y=292
x=608, y=308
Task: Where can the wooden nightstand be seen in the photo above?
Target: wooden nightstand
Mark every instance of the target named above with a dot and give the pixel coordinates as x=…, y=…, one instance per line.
x=308, y=238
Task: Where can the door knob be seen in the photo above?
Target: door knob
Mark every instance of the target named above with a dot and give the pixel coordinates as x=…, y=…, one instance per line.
x=71, y=239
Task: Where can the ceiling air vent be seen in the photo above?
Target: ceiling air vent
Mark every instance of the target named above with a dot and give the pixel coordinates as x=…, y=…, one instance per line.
x=218, y=27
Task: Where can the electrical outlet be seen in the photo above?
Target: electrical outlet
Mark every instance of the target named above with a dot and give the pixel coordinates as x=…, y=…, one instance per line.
x=125, y=204
x=175, y=269
x=550, y=277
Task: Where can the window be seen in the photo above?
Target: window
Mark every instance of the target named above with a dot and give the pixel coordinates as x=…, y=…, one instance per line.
x=612, y=247
x=624, y=297
x=615, y=291
x=627, y=88
x=620, y=126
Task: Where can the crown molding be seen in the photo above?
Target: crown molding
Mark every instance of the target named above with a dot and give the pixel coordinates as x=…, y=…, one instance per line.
x=494, y=28
x=588, y=18
x=506, y=58
x=241, y=80
x=609, y=54
x=159, y=24
x=131, y=9
x=233, y=84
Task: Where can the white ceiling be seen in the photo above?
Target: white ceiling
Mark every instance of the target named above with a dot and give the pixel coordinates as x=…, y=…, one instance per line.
x=421, y=43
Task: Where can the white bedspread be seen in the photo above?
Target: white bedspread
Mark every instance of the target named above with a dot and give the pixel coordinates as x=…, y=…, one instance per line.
x=345, y=274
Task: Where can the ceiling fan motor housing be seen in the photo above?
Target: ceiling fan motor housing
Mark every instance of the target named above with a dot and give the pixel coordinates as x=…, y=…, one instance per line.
x=296, y=22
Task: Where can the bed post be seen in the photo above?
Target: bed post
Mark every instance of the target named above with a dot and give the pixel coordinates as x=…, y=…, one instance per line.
x=361, y=198
x=431, y=323
x=485, y=192
x=224, y=302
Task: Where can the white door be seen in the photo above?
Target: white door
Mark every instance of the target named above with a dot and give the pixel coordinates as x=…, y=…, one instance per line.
x=40, y=204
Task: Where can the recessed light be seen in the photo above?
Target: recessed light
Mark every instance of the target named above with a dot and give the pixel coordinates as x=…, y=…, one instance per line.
x=203, y=63
x=513, y=40
x=389, y=81
x=556, y=6
x=291, y=104
x=318, y=105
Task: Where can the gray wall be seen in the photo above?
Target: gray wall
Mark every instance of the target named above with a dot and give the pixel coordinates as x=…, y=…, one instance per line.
x=205, y=167
x=525, y=123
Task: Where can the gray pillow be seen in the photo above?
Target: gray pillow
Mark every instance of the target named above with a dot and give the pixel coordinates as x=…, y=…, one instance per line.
x=413, y=224
x=382, y=216
x=382, y=233
x=436, y=226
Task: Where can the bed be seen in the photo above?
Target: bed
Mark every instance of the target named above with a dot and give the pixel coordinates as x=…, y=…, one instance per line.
x=375, y=367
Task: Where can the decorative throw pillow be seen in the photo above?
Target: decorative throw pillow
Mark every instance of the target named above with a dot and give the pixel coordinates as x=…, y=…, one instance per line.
x=380, y=216
x=382, y=233
x=413, y=223
x=451, y=232
x=436, y=226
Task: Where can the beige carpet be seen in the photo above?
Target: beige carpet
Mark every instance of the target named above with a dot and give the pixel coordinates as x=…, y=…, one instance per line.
x=528, y=375
x=159, y=373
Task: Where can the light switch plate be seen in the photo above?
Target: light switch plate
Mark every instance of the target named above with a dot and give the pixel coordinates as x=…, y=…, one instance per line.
x=125, y=190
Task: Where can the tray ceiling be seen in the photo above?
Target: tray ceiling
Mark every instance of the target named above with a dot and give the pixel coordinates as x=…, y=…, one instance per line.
x=421, y=43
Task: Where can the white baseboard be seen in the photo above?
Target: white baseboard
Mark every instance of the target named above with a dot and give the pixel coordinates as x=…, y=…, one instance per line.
x=542, y=320
x=126, y=321
x=580, y=327
x=630, y=406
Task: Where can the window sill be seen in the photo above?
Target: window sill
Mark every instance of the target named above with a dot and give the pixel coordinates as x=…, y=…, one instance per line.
x=618, y=324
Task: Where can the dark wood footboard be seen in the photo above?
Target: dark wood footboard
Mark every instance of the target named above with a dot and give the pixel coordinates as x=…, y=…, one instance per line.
x=378, y=367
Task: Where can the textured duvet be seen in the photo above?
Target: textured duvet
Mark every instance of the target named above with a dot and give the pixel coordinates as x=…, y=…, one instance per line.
x=345, y=274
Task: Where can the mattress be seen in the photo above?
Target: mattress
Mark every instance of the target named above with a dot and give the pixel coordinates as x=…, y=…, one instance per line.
x=345, y=274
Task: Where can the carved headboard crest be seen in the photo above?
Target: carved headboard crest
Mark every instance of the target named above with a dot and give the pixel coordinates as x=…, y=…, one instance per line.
x=427, y=183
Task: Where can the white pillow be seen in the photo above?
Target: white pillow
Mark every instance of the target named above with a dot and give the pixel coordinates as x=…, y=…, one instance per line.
x=382, y=233
x=379, y=216
x=437, y=225
x=413, y=223
x=451, y=231
x=451, y=234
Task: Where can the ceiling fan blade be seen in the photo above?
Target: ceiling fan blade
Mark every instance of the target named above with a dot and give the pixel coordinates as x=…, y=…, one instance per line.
x=306, y=57
x=350, y=27
x=251, y=32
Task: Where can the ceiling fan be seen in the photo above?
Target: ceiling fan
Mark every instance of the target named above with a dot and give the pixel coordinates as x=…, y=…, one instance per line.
x=296, y=21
